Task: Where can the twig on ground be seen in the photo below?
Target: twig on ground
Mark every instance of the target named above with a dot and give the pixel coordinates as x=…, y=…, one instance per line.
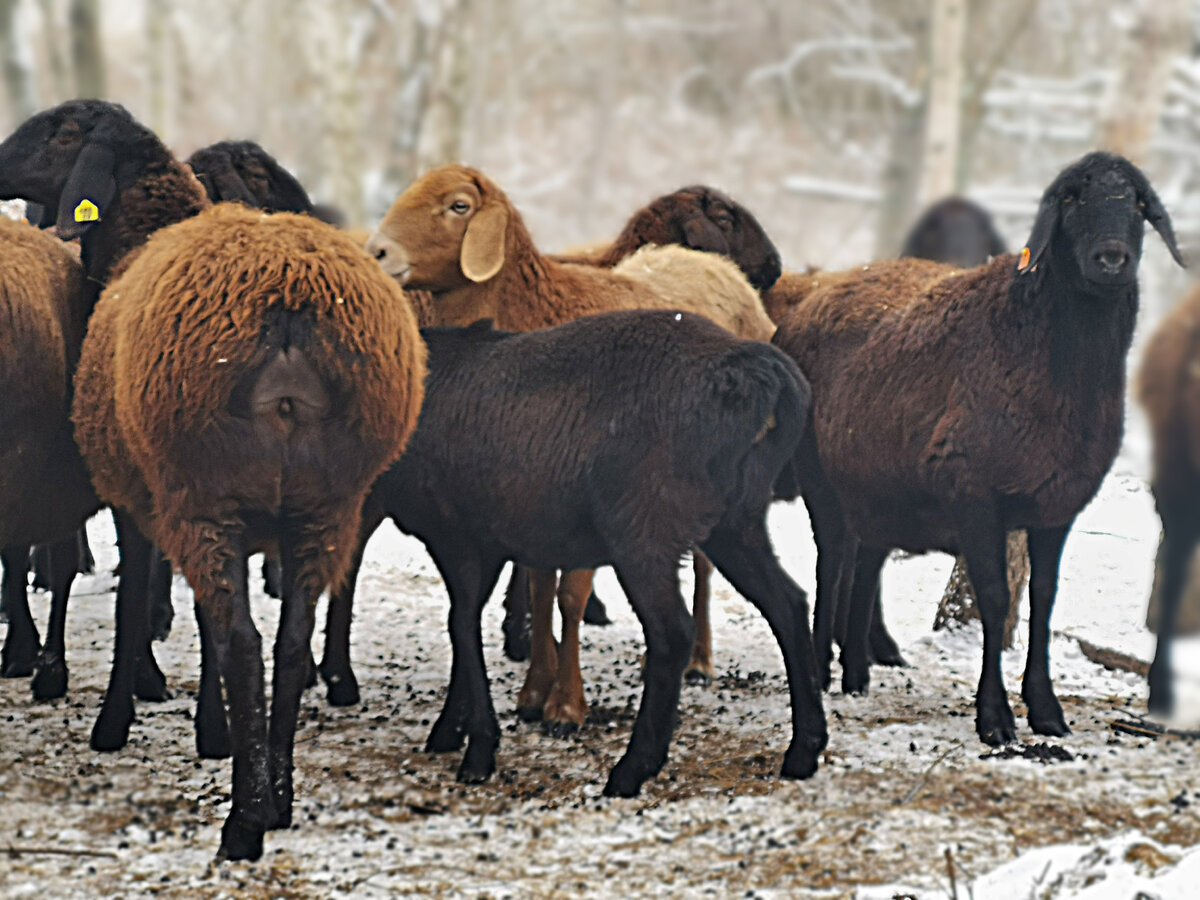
x=950, y=872
x=1113, y=660
x=14, y=851
x=1151, y=730
x=916, y=789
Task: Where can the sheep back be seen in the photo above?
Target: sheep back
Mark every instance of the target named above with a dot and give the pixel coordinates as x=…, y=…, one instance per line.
x=44, y=490
x=182, y=331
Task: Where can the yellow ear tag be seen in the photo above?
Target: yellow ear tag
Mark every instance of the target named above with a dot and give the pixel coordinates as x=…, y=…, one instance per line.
x=87, y=211
x=1024, y=263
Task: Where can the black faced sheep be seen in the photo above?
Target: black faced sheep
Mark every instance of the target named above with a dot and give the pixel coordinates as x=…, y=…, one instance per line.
x=244, y=379
x=1001, y=408
x=45, y=495
x=243, y=171
x=454, y=233
x=1169, y=390
x=954, y=230
x=666, y=432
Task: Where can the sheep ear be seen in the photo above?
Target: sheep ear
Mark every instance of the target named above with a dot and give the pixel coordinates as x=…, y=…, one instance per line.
x=482, y=252
x=90, y=188
x=702, y=234
x=1156, y=214
x=229, y=185
x=1044, y=227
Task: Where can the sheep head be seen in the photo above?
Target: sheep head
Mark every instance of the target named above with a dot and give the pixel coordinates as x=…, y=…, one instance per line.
x=76, y=158
x=244, y=171
x=954, y=230
x=703, y=218
x=449, y=229
x=1092, y=218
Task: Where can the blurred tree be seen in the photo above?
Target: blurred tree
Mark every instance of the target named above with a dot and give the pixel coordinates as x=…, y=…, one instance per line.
x=18, y=77
x=87, y=50
x=56, y=60
x=939, y=161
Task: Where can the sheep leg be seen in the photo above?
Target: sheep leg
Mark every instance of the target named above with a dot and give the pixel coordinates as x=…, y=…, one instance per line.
x=654, y=594
x=293, y=653
x=983, y=546
x=700, y=667
x=516, y=615
x=340, y=682
x=111, y=730
x=743, y=554
x=1181, y=533
x=212, y=727
x=543, y=656
x=150, y=683
x=50, y=678
x=596, y=613
x=22, y=641
x=884, y=649
x=1045, y=552
x=566, y=706
x=856, y=656
x=239, y=651
x=468, y=707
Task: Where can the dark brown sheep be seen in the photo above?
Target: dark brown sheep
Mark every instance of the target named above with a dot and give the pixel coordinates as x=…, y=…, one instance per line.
x=45, y=495
x=674, y=437
x=454, y=233
x=954, y=230
x=1169, y=390
x=244, y=379
x=951, y=407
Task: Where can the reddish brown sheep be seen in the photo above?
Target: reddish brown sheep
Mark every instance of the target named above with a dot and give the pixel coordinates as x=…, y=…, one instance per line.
x=950, y=407
x=45, y=495
x=455, y=233
x=1169, y=390
x=244, y=379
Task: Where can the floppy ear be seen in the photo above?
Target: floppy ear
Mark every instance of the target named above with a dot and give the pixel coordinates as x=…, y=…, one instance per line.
x=1156, y=214
x=1044, y=227
x=229, y=185
x=700, y=233
x=90, y=188
x=482, y=252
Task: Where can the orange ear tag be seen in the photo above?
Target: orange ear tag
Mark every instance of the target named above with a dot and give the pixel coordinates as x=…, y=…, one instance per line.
x=1024, y=263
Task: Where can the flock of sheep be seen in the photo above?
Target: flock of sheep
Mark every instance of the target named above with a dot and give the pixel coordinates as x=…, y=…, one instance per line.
x=232, y=379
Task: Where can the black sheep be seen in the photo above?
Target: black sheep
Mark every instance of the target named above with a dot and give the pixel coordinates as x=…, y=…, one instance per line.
x=1004, y=411
x=954, y=230
x=665, y=432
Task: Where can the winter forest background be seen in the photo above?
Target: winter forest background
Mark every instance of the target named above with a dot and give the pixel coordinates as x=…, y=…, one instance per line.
x=833, y=120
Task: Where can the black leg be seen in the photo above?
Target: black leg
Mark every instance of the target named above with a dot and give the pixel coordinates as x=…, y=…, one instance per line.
x=983, y=546
x=595, y=613
x=884, y=649
x=1181, y=533
x=50, y=680
x=468, y=708
x=162, y=611
x=149, y=682
x=212, y=727
x=744, y=556
x=856, y=674
x=340, y=681
x=1045, y=552
x=516, y=615
x=22, y=641
x=653, y=591
x=133, y=617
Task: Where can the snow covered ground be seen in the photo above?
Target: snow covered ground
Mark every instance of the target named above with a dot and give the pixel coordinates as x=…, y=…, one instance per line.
x=906, y=795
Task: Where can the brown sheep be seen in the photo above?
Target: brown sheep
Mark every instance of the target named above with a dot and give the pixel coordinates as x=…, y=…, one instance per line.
x=45, y=495
x=951, y=407
x=244, y=379
x=1169, y=391
x=455, y=233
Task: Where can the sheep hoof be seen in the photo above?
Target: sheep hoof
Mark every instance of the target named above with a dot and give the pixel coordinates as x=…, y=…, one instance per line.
x=996, y=727
x=18, y=664
x=697, y=677
x=310, y=680
x=800, y=761
x=560, y=729
x=111, y=731
x=516, y=642
x=341, y=689
x=444, y=737
x=623, y=781
x=856, y=684
x=885, y=652
x=50, y=679
x=595, y=612
x=477, y=765
x=150, y=683
x=240, y=840
x=213, y=746
x=529, y=713
x=1162, y=701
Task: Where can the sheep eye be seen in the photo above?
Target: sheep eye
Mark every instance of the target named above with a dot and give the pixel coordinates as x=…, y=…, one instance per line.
x=460, y=207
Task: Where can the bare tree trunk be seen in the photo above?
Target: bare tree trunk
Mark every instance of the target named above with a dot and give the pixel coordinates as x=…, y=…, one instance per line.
x=604, y=101
x=901, y=179
x=18, y=78
x=157, y=13
x=87, y=50
x=959, y=603
x=940, y=161
x=451, y=74
x=1138, y=88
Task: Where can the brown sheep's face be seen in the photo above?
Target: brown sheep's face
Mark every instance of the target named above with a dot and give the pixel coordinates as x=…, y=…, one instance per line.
x=446, y=231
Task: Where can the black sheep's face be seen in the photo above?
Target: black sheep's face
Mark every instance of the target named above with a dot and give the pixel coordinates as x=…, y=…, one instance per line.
x=1101, y=215
x=37, y=159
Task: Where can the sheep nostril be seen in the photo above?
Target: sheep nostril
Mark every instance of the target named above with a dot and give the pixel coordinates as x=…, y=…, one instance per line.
x=380, y=254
